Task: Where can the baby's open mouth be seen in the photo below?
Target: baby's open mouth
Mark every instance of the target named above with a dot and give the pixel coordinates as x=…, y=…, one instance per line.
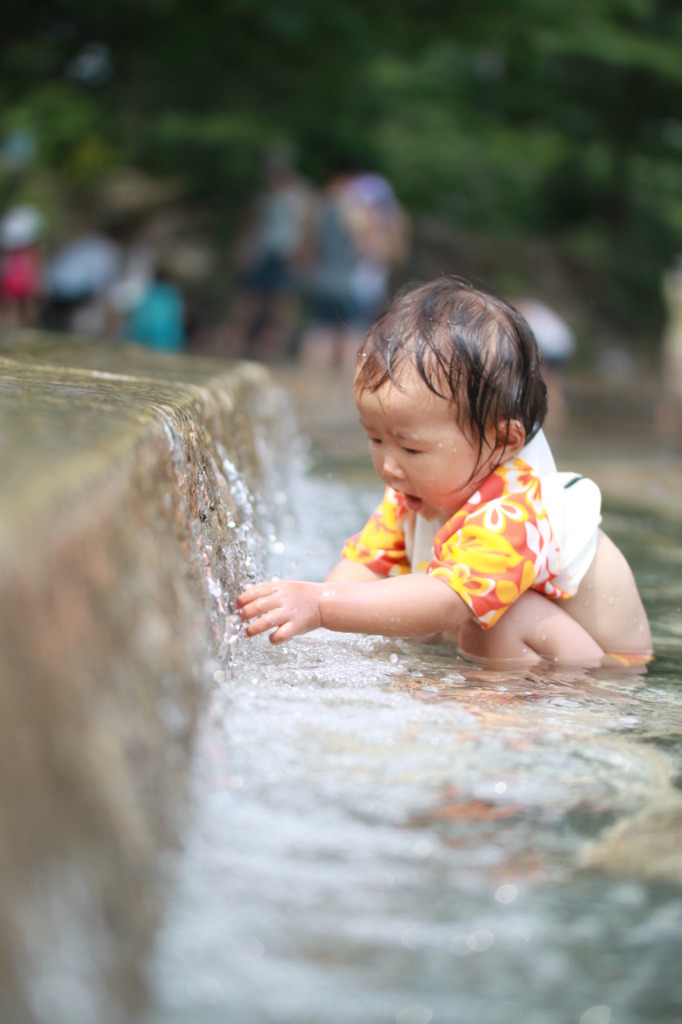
x=413, y=502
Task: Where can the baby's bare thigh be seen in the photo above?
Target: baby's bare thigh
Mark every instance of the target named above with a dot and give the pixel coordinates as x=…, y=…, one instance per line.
x=534, y=629
x=608, y=604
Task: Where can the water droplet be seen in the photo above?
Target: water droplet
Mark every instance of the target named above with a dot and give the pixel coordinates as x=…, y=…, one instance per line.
x=207, y=990
x=410, y=939
x=234, y=629
x=506, y=894
x=480, y=940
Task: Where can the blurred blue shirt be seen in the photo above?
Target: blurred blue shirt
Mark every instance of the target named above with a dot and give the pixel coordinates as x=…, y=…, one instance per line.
x=159, y=320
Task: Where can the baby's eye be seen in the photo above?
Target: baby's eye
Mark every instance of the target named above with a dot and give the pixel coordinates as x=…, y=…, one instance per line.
x=374, y=440
x=411, y=451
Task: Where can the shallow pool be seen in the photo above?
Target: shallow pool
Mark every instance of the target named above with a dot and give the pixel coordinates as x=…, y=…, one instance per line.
x=382, y=834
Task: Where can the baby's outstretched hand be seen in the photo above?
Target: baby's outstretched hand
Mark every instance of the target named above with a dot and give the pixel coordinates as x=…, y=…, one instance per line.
x=288, y=607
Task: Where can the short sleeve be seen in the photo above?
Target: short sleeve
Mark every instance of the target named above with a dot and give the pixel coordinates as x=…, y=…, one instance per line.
x=492, y=551
x=380, y=545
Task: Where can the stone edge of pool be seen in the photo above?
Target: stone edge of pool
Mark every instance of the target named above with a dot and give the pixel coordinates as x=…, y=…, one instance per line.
x=105, y=634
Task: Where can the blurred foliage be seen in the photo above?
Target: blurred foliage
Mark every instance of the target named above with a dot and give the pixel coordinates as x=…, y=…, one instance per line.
x=515, y=118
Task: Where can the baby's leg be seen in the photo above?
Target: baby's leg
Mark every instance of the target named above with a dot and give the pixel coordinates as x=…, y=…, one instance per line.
x=534, y=629
x=608, y=603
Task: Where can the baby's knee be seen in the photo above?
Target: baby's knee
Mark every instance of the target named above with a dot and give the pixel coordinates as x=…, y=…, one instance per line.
x=534, y=629
x=500, y=643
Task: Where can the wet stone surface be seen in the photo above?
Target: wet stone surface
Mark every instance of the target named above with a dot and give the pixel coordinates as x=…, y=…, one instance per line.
x=132, y=489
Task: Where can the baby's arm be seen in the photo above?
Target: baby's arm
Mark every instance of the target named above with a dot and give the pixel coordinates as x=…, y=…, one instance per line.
x=411, y=605
x=350, y=571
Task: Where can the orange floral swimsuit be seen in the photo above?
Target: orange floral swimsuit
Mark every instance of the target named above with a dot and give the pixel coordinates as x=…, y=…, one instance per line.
x=527, y=526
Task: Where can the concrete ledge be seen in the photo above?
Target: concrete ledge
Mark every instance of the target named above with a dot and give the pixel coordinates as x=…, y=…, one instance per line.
x=121, y=543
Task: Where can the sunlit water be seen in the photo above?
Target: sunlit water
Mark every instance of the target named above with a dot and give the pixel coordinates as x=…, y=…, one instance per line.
x=382, y=834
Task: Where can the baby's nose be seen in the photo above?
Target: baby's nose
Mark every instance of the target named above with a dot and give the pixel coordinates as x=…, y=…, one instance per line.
x=392, y=467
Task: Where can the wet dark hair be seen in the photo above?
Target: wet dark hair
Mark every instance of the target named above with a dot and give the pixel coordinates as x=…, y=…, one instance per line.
x=469, y=347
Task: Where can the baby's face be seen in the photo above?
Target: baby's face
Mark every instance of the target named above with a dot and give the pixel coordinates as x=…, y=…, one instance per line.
x=418, y=448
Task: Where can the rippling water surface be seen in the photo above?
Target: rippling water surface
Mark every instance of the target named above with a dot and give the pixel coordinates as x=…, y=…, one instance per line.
x=381, y=833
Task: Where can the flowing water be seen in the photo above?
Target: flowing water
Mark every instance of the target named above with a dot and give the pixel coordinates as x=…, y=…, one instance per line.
x=383, y=834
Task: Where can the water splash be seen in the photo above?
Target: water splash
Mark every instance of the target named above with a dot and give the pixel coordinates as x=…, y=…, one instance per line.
x=386, y=833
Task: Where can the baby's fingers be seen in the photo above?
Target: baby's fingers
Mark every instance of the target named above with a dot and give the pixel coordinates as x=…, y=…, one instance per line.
x=283, y=633
x=250, y=610
x=262, y=613
x=263, y=623
x=254, y=592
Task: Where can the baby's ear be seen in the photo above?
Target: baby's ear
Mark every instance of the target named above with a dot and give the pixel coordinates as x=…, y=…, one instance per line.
x=511, y=437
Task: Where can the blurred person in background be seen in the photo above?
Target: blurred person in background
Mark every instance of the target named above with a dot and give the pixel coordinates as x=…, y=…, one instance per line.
x=556, y=343
x=78, y=277
x=361, y=233
x=381, y=229
x=21, y=233
x=158, y=318
x=272, y=252
x=331, y=334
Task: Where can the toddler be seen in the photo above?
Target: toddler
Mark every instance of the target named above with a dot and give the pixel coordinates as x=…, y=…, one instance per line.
x=478, y=536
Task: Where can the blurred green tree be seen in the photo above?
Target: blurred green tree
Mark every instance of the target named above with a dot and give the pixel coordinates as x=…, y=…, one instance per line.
x=513, y=118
